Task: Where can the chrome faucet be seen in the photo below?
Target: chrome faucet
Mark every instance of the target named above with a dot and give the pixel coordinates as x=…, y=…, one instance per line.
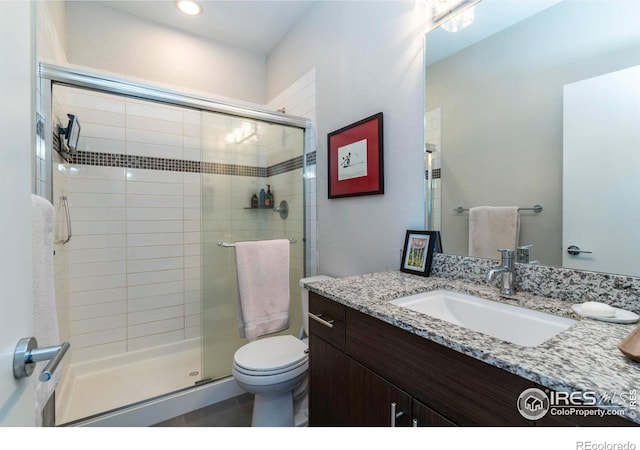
x=507, y=265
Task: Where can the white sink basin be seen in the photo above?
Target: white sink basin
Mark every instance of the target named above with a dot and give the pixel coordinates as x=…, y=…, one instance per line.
x=513, y=324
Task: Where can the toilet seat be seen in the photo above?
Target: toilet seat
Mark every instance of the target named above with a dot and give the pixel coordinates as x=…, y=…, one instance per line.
x=271, y=356
x=266, y=373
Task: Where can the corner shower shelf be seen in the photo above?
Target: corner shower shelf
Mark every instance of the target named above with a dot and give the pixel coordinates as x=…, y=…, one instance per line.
x=282, y=209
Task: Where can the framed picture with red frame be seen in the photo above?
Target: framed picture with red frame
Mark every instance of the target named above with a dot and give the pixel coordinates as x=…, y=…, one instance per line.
x=356, y=165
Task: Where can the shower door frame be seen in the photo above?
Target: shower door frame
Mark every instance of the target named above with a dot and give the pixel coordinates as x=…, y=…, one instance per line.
x=47, y=75
x=92, y=80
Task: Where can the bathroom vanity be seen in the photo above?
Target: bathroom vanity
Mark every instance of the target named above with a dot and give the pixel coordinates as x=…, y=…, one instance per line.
x=373, y=363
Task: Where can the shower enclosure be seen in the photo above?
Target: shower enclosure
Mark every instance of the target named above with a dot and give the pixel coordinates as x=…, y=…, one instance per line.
x=145, y=287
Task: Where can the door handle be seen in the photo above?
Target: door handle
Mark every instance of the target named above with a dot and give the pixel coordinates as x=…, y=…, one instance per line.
x=575, y=250
x=27, y=354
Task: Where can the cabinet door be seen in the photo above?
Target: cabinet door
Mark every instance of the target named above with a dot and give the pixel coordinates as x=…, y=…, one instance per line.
x=328, y=387
x=327, y=320
x=423, y=416
x=373, y=401
x=468, y=391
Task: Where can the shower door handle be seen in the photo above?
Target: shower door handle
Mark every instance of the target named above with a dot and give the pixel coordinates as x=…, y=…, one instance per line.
x=65, y=203
x=27, y=354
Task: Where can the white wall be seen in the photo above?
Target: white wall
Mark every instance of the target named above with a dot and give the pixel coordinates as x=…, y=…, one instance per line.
x=105, y=39
x=51, y=31
x=368, y=59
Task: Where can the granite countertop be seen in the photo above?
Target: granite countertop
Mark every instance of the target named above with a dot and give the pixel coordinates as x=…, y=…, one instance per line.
x=583, y=358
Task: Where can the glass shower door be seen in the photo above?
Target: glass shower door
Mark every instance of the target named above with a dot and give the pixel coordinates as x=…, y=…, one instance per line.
x=241, y=157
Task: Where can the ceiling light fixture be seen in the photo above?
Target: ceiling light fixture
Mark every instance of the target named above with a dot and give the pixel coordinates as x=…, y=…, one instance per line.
x=462, y=20
x=189, y=7
x=452, y=15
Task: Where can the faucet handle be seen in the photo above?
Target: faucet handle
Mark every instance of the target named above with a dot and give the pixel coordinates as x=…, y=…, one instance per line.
x=507, y=256
x=524, y=254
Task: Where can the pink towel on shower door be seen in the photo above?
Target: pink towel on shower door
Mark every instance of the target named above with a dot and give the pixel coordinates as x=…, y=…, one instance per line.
x=262, y=269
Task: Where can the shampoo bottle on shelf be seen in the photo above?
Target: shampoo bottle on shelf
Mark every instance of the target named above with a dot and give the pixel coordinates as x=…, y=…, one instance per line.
x=262, y=198
x=268, y=199
x=254, y=200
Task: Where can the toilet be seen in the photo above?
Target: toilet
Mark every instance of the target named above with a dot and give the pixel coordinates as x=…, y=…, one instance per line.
x=275, y=370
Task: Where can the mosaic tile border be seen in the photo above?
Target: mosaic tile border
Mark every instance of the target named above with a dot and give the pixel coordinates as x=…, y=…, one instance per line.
x=436, y=174
x=285, y=166
x=181, y=165
x=311, y=158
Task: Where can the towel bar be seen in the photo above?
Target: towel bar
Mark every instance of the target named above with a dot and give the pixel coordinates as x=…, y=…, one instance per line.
x=233, y=244
x=535, y=208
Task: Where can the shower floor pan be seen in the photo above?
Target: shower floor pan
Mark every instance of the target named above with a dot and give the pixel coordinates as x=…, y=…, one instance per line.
x=97, y=386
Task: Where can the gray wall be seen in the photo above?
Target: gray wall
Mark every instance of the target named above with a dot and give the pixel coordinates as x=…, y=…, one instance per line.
x=108, y=40
x=368, y=58
x=501, y=104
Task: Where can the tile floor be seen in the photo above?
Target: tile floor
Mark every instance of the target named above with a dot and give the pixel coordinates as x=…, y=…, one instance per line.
x=234, y=412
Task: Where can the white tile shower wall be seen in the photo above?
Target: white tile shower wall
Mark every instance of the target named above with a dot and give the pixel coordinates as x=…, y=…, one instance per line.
x=155, y=236
x=300, y=99
x=134, y=260
x=97, y=271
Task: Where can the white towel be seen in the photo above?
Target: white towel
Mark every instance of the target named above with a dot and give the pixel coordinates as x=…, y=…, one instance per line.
x=45, y=318
x=263, y=287
x=492, y=228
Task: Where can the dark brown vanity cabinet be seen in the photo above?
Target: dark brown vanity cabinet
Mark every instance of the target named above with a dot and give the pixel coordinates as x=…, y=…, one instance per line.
x=342, y=391
x=366, y=372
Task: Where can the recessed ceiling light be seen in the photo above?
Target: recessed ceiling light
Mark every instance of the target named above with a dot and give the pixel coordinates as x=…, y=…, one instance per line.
x=189, y=7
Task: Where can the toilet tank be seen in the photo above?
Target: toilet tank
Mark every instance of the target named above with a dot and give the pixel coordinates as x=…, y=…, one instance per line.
x=305, y=299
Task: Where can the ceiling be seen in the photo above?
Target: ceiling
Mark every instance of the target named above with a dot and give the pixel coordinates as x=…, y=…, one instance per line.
x=256, y=26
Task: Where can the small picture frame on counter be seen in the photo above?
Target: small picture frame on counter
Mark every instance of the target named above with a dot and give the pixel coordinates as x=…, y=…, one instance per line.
x=417, y=252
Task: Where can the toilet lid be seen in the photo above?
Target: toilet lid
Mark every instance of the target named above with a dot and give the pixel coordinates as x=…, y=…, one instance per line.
x=271, y=353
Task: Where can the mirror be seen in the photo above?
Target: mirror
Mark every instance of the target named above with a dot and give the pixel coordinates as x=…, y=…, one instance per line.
x=496, y=124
